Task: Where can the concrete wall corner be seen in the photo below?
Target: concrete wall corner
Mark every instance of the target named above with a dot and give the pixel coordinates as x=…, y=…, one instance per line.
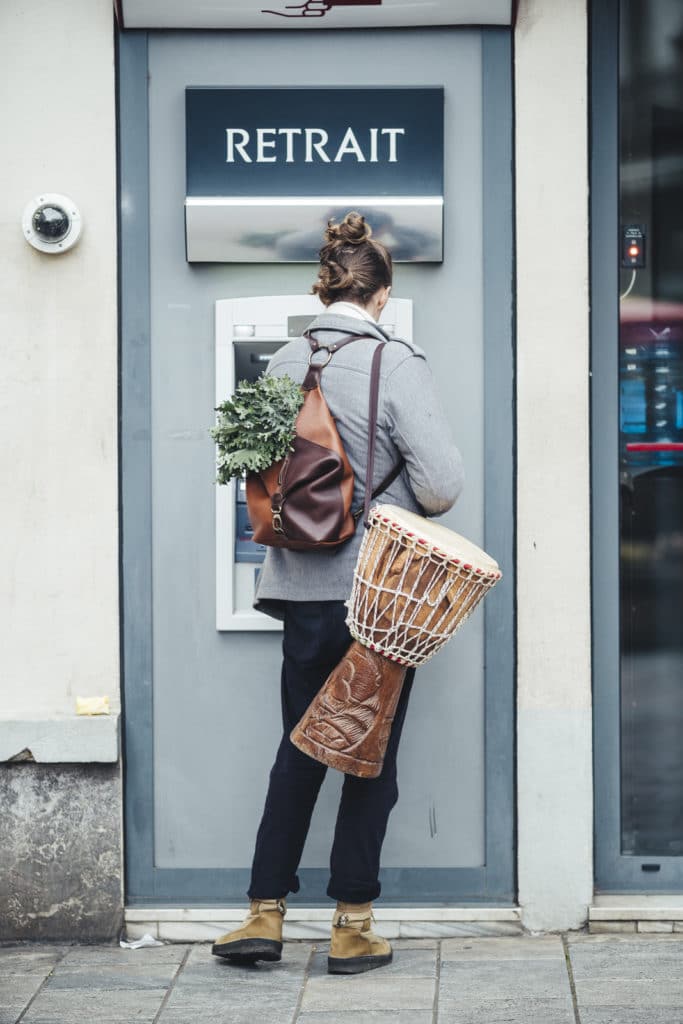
x=554, y=700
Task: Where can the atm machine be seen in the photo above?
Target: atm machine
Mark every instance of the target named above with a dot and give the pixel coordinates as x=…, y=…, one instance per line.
x=248, y=332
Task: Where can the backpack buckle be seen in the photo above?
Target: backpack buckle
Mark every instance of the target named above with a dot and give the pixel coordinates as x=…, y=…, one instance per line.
x=276, y=509
x=327, y=349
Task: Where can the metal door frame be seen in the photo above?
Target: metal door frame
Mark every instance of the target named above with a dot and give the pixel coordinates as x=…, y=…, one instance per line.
x=614, y=871
x=147, y=885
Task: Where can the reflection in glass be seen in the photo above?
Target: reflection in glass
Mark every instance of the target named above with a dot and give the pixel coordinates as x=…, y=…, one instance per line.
x=651, y=429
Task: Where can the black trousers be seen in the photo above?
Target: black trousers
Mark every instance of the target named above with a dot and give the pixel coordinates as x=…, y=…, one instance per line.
x=315, y=639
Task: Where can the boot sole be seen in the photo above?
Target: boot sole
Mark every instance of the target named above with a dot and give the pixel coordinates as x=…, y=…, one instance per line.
x=248, y=951
x=356, y=964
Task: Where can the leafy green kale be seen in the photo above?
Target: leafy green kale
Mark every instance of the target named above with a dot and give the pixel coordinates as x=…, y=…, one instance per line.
x=255, y=428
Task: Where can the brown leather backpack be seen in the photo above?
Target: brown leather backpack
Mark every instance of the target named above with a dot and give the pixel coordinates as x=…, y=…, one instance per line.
x=303, y=502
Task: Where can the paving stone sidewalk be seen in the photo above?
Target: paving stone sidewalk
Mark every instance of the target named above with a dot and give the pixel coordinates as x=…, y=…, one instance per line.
x=551, y=979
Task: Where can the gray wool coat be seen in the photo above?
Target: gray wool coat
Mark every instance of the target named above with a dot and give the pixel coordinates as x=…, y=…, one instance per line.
x=410, y=423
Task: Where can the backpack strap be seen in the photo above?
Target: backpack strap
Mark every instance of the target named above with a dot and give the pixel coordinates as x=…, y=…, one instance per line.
x=312, y=380
x=345, y=340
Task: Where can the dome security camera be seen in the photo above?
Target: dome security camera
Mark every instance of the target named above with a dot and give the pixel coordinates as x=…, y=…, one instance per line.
x=51, y=223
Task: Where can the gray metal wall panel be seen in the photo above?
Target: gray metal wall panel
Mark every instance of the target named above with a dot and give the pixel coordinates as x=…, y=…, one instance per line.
x=203, y=827
x=204, y=713
x=136, y=497
x=499, y=446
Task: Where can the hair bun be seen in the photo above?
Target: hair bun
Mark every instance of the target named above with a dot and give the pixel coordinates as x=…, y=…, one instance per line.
x=351, y=231
x=352, y=264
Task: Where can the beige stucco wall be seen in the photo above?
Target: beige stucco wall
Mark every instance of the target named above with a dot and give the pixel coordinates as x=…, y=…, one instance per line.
x=554, y=764
x=58, y=379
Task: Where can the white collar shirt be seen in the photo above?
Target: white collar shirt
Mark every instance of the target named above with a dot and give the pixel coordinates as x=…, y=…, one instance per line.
x=350, y=309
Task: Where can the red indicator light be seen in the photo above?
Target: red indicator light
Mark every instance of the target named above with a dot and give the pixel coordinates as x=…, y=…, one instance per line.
x=632, y=246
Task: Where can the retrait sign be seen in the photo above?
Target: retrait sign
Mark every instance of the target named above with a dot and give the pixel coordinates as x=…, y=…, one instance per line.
x=279, y=162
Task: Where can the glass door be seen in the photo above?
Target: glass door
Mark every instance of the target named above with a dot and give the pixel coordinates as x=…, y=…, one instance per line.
x=639, y=687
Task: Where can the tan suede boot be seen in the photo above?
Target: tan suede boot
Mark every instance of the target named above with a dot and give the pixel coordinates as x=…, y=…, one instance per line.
x=354, y=946
x=259, y=938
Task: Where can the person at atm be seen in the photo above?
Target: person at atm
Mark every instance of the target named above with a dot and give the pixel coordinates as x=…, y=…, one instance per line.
x=308, y=590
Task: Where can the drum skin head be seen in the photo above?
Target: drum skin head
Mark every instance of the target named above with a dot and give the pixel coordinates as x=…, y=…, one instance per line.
x=447, y=541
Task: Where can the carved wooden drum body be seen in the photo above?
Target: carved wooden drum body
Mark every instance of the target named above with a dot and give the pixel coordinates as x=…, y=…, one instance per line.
x=415, y=583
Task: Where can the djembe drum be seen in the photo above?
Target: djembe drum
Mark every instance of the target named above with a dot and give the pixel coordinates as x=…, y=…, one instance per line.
x=414, y=585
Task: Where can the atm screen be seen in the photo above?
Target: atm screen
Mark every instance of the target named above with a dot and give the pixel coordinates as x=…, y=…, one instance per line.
x=251, y=358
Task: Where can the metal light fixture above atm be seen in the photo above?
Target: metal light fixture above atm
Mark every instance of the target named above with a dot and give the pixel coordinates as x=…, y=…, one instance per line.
x=311, y=14
x=267, y=168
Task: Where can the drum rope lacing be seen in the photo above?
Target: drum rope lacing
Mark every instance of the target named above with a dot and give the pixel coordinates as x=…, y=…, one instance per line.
x=409, y=597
